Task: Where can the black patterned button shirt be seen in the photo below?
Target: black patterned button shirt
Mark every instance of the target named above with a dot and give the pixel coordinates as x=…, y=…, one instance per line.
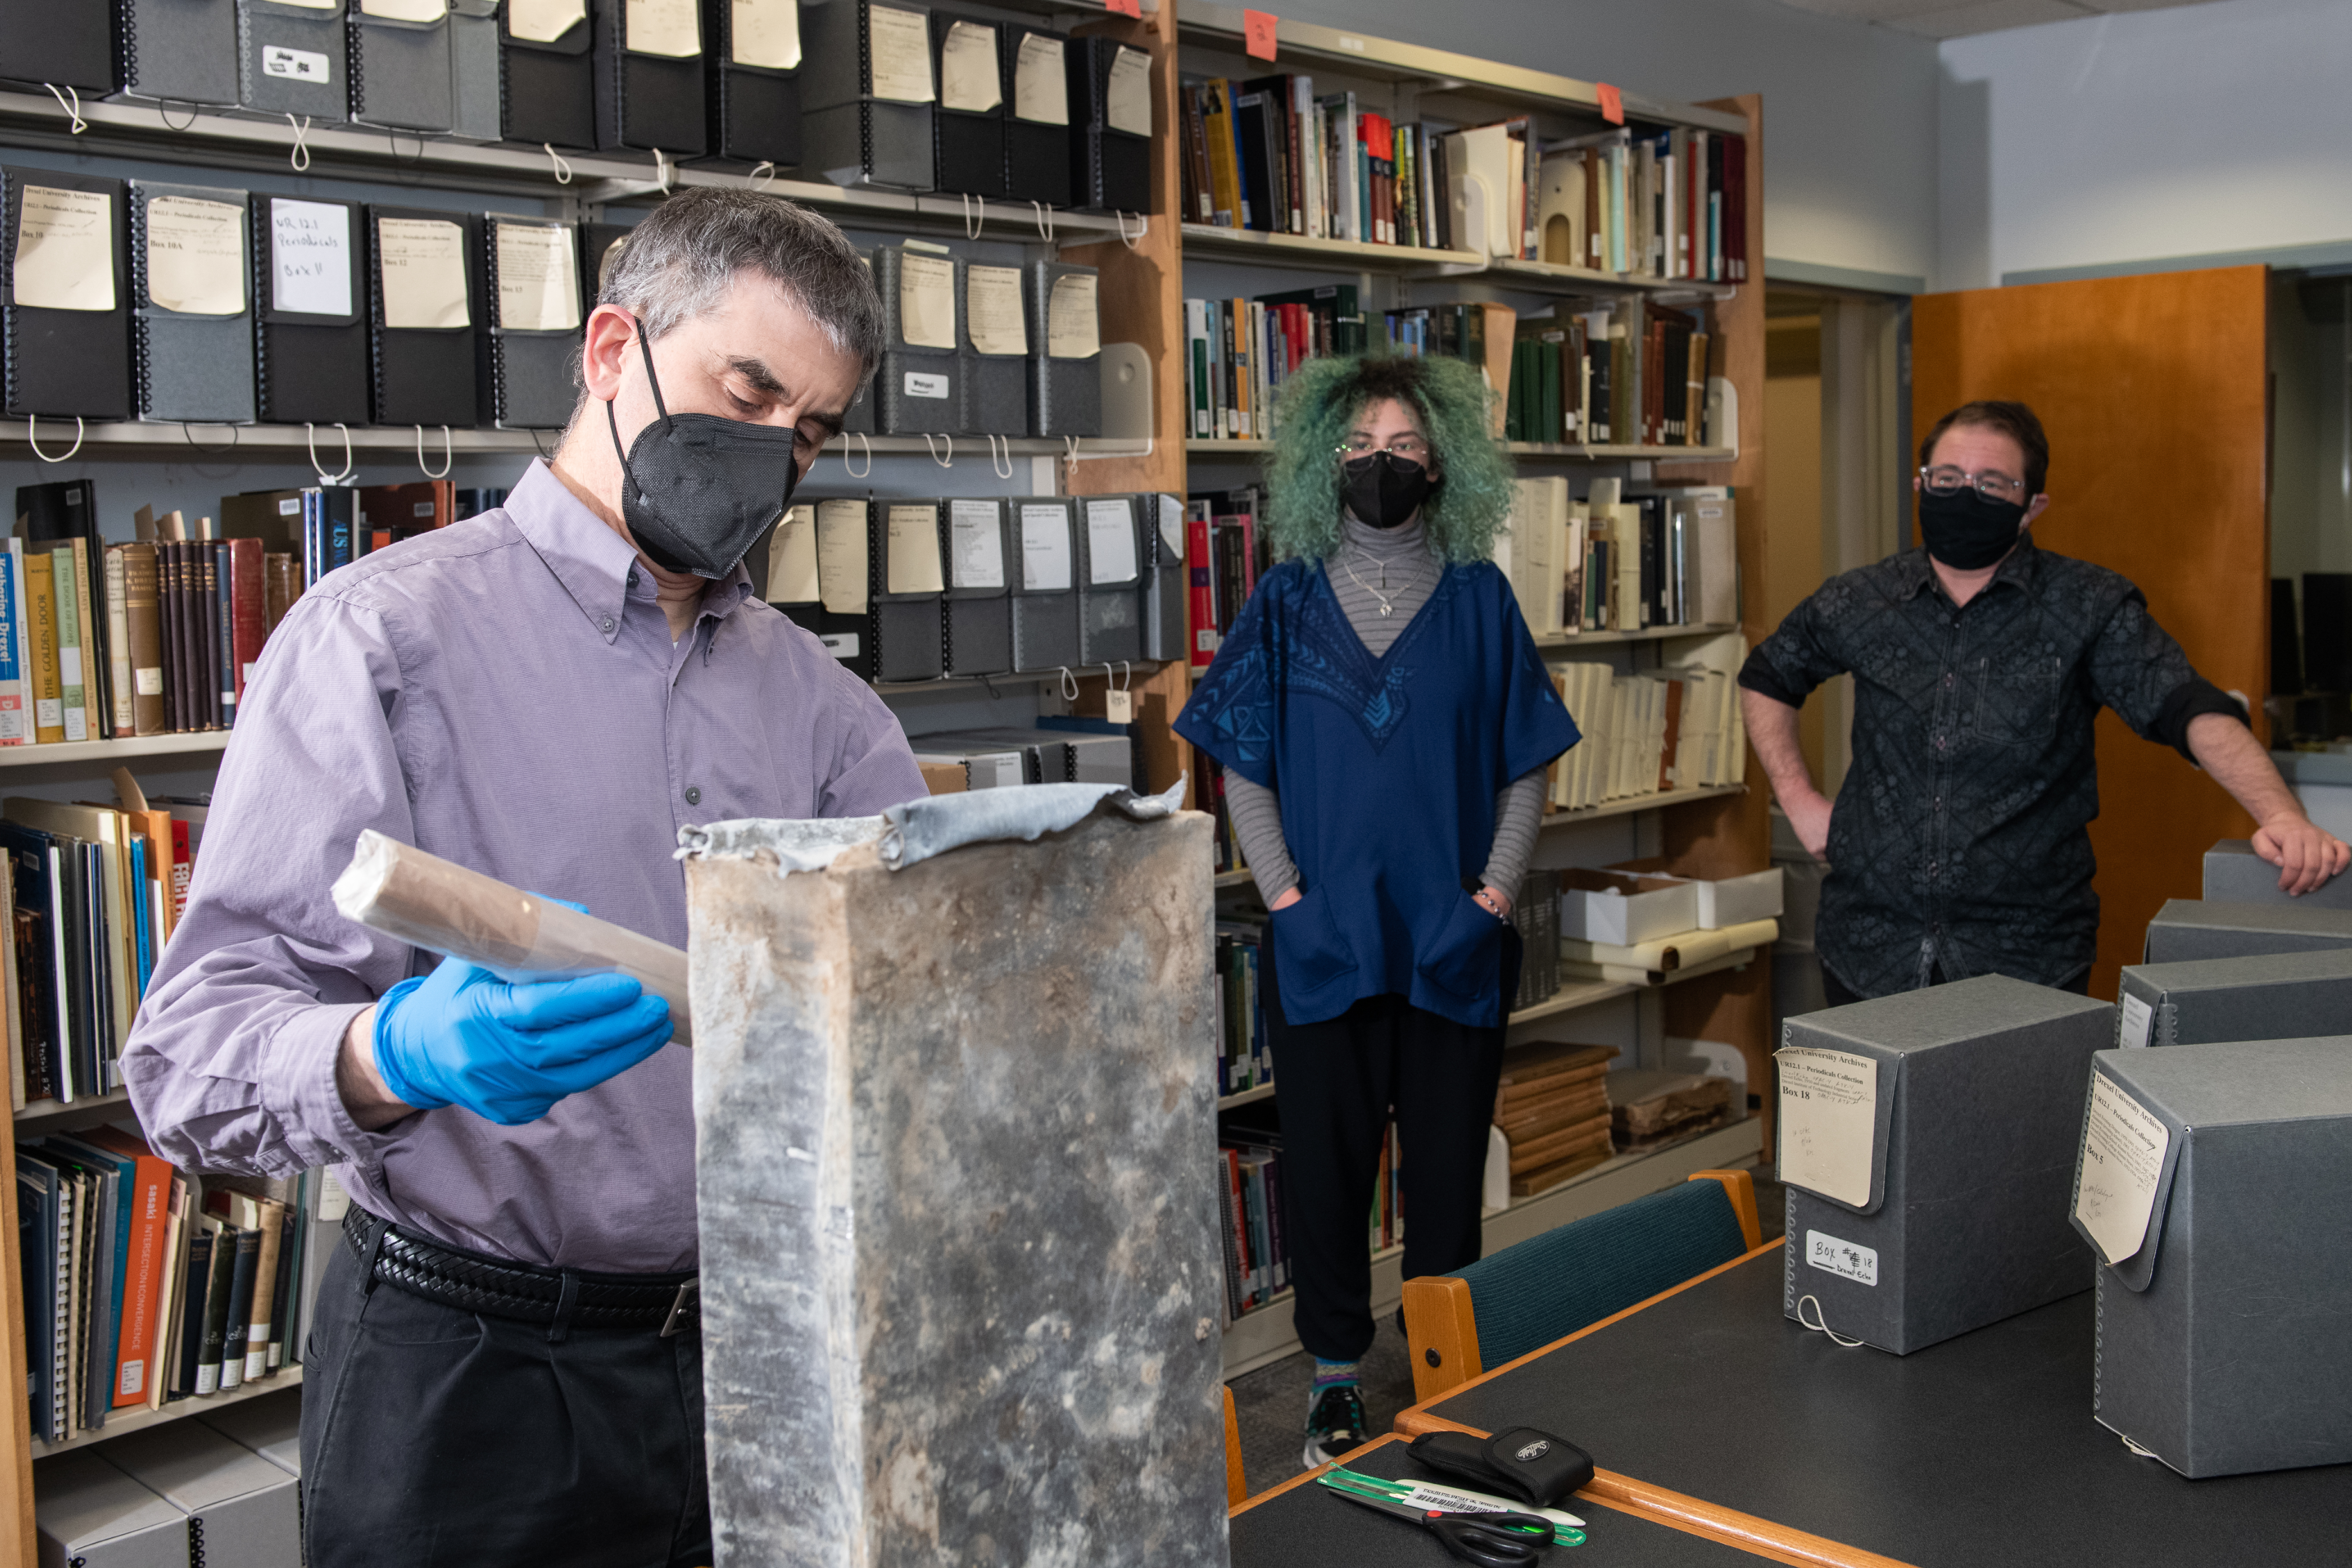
x=1960, y=840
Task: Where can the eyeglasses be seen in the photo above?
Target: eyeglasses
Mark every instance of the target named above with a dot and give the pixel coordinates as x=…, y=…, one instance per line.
x=1405, y=448
x=1950, y=481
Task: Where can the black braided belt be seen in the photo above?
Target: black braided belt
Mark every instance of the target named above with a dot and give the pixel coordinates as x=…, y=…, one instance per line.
x=473, y=1283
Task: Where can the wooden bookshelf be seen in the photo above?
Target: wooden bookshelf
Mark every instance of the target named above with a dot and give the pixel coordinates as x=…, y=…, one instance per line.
x=128, y=1421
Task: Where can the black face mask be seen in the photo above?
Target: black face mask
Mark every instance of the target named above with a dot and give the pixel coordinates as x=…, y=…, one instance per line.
x=1964, y=531
x=1383, y=490
x=696, y=490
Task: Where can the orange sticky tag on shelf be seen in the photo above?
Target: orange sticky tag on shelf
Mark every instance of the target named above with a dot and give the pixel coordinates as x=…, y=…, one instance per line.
x=1612, y=103
x=1257, y=34
x=1125, y=8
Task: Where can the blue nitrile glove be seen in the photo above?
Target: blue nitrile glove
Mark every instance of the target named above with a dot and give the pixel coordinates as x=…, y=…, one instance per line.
x=460, y=1035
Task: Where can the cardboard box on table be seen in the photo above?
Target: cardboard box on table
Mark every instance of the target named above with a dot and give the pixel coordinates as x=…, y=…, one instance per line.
x=2209, y=1177
x=2190, y=929
x=998, y=1338
x=2264, y=996
x=2235, y=873
x=1928, y=1141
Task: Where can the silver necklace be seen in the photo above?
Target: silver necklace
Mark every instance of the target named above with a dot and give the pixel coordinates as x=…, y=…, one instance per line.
x=1388, y=600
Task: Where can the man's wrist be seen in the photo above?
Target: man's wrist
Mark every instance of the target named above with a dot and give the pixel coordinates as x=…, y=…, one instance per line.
x=371, y=1105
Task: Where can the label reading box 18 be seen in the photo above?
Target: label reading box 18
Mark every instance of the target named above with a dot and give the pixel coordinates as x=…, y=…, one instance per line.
x=1844, y=1259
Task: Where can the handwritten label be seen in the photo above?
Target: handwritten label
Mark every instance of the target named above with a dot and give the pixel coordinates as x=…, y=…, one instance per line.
x=992, y=312
x=926, y=301
x=543, y=21
x=309, y=258
x=1073, y=327
x=913, y=566
x=1118, y=707
x=1040, y=93
x=899, y=45
x=970, y=82
x=423, y=265
x=295, y=65
x=1829, y=1104
x=2132, y=1021
x=423, y=11
x=1257, y=34
x=539, y=284
x=1044, y=549
x=1847, y=1259
x=976, y=544
x=195, y=256
x=792, y=559
x=1111, y=542
x=841, y=555
x=2123, y=1153
x=1612, y=103
x=670, y=28
x=765, y=33
x=65, y=248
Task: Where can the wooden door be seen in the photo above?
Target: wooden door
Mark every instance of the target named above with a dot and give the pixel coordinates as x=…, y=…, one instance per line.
x=2153, y=392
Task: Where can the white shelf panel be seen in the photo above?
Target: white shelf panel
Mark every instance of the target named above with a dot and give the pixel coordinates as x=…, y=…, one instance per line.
x=1267, y=248
x=213, y=442
x=1246, y=1097
x=1207, y=445
x=139, y=1420
x=1647, y=634
x=1640, y=803
x=110, y=752
x=41, y=1116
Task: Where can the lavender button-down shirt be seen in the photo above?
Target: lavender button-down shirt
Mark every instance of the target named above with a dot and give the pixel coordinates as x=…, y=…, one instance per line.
x=504, y=693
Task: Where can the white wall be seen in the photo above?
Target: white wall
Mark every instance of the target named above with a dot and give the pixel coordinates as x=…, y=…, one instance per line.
x=1849, y=109
x=2146, y=135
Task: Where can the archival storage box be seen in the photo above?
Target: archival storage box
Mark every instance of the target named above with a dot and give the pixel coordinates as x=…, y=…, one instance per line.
x=2233, y=871
x=2211, y=1185
x=2191, y=927
x=1928, y=1141
x=2263, y=996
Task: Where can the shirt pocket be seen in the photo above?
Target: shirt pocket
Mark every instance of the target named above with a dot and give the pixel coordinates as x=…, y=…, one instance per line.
x=2017, y=698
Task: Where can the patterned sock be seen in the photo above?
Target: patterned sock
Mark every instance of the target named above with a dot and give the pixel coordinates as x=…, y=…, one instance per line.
x=1332, y=1375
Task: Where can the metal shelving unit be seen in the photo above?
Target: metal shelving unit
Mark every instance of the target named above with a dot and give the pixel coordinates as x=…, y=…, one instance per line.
x=325, y=443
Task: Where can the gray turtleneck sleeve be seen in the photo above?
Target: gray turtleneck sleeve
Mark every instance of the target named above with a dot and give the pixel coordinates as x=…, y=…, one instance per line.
x=1373, y=566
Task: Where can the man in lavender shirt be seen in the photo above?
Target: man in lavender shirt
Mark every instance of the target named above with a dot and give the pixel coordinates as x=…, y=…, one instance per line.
x=503, y=1366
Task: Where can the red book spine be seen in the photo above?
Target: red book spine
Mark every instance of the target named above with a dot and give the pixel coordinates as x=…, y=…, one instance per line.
x=1240, y=1201
x=183, y=866
x=148, y=1215
x=1201, y=575
x=246, y=626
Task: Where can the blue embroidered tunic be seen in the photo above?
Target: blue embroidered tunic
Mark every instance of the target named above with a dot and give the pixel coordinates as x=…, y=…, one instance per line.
x=1387, y=770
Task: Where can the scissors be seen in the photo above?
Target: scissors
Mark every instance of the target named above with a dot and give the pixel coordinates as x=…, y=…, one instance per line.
x=1489, y=1540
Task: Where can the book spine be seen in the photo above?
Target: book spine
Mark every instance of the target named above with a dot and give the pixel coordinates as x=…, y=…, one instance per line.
x=236, y=1320
x=143, y=638
x=247, y=613
x=281, y=1301
x=89, y=602
x=49, y=704
x=148, y=1214
x=118, y=644
x=72, y=688
x=223, y=689
x=16, y=721
x=272, y=1232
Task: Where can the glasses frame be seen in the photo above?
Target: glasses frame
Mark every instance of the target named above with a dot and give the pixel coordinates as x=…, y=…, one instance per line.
x=2010, y=489
x=1421, y=458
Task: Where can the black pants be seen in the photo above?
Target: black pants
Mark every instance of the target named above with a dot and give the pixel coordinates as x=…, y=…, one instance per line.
x=436, y=1436
x=1835, y=994
x=1334, y=1083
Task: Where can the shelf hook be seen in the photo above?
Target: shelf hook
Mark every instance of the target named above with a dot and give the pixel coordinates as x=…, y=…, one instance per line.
x=213, y=451
x=33, y=439
x=932, y=448
x=973, y=221
x=1142, y=228
x=72, y=109
x=762, y=175
x=1003, y=464
x=665, y=169
x=301, y=157
x=163, y=113
x=311, y=441
x=867, y=445
x=1069, y=684
x=563, y=168
x=447, y=455
x=1044, y=214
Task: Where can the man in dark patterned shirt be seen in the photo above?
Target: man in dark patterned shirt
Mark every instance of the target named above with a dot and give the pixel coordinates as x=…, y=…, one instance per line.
x=1959, y=844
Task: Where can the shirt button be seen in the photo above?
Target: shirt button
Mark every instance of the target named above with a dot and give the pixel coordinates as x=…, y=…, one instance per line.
x=693, y=794
x=607, y=624
x=633, y=577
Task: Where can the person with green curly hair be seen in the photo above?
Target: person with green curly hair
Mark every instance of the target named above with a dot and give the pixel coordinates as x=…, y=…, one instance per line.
x=1384, y=722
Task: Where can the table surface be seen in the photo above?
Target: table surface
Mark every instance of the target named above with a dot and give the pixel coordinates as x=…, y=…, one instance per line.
x=1301, y=1525
x=1982, y=1449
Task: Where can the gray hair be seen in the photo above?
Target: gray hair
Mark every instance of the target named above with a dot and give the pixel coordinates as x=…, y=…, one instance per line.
x=680, y=262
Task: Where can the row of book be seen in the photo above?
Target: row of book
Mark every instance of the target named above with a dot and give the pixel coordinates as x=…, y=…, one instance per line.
x=1535, y=913
x=1226, y=553
x=1655, y=730
x=1551, y=1108
x=88, y=895
x=1245, y=1052
x=1574, y=379
x=1236, y=351
x=144, y=1285
x=158, y=636
x=1250, y=1208
x=1268, y=154
x=1615, y=562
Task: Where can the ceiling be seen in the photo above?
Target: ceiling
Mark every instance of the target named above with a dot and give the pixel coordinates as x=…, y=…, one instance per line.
x=1958, y=18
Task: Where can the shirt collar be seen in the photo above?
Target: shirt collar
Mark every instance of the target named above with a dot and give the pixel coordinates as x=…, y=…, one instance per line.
x=596, y=564
x=1913, y=572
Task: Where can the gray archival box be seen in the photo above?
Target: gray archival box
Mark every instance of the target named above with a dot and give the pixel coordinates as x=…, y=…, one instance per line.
x=1979, y=1109
x=89, y=1512
x=2266, y=997
x=242, y=1505
x=2225, y=1342
x=2233, y=871
x=2189, y=928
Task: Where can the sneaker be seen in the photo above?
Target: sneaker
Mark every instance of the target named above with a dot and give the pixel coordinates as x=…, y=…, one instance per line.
x=1335, y=1424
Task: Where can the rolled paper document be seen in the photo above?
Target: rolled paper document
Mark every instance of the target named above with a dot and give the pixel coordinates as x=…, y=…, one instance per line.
x=438, y=905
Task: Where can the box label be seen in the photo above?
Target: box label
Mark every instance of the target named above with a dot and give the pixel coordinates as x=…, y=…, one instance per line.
x=1846, y=1259
x=295, y=65
x=2114, y=1183
x=919, y=385
x=1828, y=1107
x=841, y=645
x=2132, y=1025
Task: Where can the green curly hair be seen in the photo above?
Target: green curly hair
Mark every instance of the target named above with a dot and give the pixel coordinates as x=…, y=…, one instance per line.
x=1317, y=407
